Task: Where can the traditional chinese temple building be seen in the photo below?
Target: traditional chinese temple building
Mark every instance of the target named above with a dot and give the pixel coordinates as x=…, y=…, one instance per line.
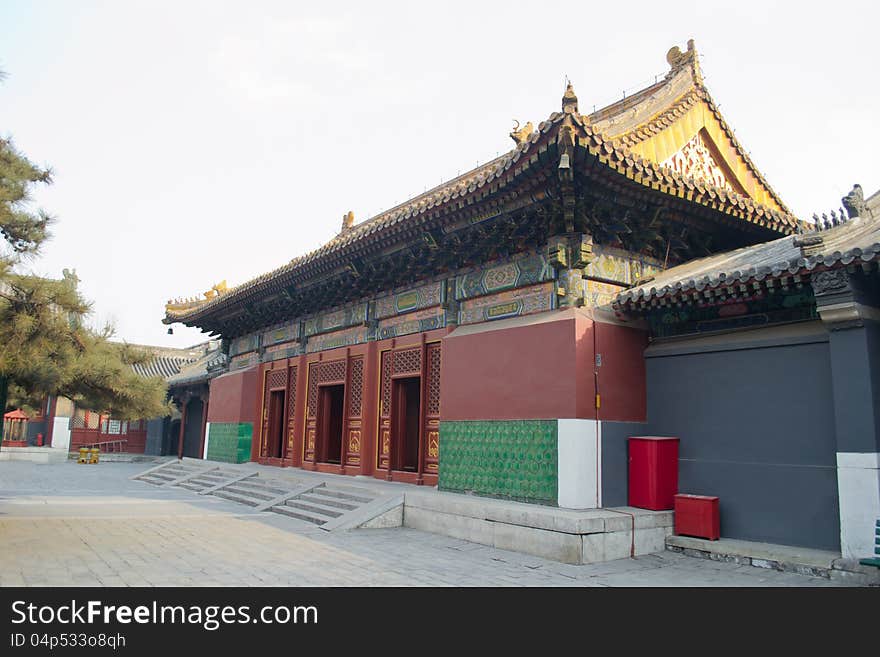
x=466, y=338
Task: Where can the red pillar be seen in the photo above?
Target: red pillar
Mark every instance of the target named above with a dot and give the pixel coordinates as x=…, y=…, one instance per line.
x=205, y=398
x=182, y=427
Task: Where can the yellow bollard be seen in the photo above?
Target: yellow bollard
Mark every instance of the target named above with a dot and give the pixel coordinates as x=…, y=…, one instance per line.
x=95, y=452
x=83, y=455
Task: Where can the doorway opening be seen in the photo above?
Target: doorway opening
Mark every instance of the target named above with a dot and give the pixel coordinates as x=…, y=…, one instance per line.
x=192, y=430
x=275, y=443
x=406, y=411
x=331, y=400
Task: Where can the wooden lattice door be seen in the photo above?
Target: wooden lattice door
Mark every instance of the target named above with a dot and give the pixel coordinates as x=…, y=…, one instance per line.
x=398, y=367
x=320, y=374
x=291, y=408
x=274, y=394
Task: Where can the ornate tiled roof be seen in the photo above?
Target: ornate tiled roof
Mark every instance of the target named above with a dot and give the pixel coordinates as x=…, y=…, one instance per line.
x=166, y=362
x=163, y=366
x=652, y=110
x=856, y=241
x=614, y=155
x=206, y=367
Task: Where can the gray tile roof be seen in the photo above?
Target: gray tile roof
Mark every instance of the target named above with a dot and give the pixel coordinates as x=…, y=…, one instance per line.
x=163, y=366
x=206, y=367
x=855, y=241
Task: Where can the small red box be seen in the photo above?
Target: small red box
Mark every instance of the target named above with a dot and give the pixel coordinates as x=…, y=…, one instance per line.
x=653, y=472
x=697, y=515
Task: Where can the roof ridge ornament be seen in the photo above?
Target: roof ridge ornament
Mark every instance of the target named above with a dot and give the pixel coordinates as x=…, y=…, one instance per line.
x=521, y=135
x=569, y=99
x=347, y=222
x=679, y=60
x=854, y=203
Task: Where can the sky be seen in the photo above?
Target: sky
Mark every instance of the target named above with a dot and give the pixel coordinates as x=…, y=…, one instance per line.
x=194, y=142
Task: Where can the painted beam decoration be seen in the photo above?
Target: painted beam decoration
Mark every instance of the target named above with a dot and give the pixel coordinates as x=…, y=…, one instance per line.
x=519, y=272
x=510, y=303
x=413, y=322
x=284, y=333
x=600, y=294
x=344, y=338
x=284, y=350
x=425, y=296
x=782, y=306
x=336, y=319
x=244, y=361
x=618, y=266
x=244, y=344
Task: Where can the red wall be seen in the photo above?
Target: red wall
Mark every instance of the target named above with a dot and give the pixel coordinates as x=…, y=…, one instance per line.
x=517, y=369
x=522, y=372
x=234, y=397
x=622, y=375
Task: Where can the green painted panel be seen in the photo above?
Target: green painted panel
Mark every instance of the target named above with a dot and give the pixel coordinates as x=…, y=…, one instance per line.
x=230, y=441
x=513, y=459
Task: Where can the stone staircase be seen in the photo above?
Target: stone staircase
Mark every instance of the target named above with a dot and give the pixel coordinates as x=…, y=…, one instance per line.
x=325, y=503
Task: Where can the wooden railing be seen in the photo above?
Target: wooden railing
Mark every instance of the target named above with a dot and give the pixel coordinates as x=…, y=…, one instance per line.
x=107, y=446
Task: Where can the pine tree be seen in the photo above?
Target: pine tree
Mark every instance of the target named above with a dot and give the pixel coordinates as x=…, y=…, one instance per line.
x=46, y=348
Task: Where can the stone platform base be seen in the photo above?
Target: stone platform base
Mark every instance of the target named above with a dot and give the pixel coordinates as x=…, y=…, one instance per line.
x=121, y=457
x=575, y=537
x=34, y=454
x=818, y=563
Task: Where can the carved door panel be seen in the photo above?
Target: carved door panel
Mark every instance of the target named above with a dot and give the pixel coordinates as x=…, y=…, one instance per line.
x=354, y=412
x=275, y=380
x=330, y=372
x=395, y=364
x=291, y=408
x=385, y=411
x=432, y=409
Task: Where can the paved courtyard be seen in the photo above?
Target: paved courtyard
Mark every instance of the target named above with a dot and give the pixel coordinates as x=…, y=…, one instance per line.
x=90, y=525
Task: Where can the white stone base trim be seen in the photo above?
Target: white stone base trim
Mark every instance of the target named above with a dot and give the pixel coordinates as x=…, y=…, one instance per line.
x=579, y=464
x=858, y=489
x=61, y=433
x=207, y=439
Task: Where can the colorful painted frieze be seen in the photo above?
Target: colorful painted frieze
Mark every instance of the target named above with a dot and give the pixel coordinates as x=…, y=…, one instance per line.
x=243, y=361
x=418, y=298
x=619, y=266
x=510, y=303
x=520, y=272
x=336, y=319
x=244, y=344
x=284, y=333
x=780, y=307
x=344, y=338
x=279, y=351
x=425, y=320
x=600, y=294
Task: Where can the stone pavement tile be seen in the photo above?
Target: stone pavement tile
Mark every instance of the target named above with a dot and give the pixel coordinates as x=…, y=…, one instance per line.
x=136, y=534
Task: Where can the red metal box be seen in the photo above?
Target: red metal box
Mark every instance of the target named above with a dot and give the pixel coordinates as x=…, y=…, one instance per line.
x=697, y=515
x=653, y=472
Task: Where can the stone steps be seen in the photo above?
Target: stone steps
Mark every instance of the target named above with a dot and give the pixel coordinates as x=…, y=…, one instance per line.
x=329, y=505
x=312, y=507
x=301, y=514
x=237, y=497
x=257, y=485
x=359, y=495
x=255, y=494
x=328, y=501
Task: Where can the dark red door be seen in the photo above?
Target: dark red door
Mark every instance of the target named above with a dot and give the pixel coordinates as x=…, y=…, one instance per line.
x=330, y=415
x=276, y=424
x=406, y=412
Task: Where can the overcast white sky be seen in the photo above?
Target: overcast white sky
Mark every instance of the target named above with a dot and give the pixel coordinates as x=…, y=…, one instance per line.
x=199, y=141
